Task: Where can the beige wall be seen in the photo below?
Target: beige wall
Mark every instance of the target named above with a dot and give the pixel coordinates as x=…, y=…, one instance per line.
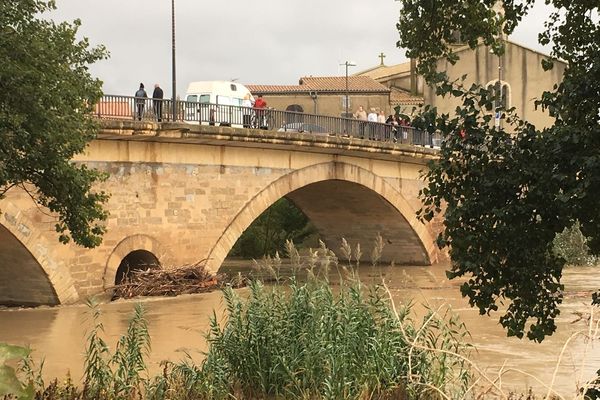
x=329, y=104
x=521, y=69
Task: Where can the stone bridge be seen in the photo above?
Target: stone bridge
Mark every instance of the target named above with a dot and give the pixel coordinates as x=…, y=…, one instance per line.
x=183, y=193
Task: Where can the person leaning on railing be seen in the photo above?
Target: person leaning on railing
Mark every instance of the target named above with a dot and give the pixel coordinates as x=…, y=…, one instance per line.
x=392, y=123
x=157, y=98
x=259, y=108
x=140, y=100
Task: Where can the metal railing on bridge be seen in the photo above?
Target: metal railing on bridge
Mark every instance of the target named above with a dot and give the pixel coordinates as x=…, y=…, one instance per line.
x=129, y=107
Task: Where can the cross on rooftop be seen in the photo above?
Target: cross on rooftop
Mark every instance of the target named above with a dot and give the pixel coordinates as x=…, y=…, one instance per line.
x=382, y=56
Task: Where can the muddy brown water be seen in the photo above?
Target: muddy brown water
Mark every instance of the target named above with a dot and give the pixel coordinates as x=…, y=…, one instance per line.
x=177, y=326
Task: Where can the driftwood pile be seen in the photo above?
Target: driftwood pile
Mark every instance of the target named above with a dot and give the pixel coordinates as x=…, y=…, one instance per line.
x=167, y=282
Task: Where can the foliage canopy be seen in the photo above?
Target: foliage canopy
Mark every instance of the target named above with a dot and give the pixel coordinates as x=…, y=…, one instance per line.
x=507, y=192
x=46, y=98
x=268, y=233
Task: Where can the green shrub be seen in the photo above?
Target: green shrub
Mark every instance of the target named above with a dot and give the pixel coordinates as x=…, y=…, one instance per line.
x=572, y=245
x=10, y=385
x=311, y=342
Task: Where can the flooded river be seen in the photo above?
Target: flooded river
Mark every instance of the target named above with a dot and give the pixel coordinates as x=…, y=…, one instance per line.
x=177, y=326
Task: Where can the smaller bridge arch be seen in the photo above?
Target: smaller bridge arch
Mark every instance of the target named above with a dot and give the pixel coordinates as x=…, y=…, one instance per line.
x=139, y=249
x=389, y=211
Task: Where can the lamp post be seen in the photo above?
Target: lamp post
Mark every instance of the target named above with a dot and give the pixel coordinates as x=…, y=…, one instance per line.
x=174, y=82
x=347, y=64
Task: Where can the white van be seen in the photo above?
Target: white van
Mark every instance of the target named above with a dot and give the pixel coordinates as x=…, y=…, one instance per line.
x=221, y=94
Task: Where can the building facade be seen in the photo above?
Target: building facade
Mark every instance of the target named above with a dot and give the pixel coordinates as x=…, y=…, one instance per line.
x=327, y=95
x=518, y=72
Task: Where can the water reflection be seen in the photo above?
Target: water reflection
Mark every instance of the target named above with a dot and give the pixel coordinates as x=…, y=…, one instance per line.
x=177, y=326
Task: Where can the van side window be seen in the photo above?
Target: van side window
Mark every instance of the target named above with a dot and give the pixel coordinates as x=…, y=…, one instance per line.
x=224, y=100
x=233, y=87
x=192, y=98
x=204, y=98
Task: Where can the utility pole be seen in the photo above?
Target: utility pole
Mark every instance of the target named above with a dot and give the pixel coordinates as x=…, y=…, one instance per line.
x=347, y=100
x=174, y=82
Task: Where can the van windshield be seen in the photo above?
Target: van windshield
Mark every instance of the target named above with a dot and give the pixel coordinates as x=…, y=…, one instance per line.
x=203, y=98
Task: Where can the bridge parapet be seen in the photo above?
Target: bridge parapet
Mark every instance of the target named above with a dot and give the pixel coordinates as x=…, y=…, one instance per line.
x=194, y=113
x=178, y=132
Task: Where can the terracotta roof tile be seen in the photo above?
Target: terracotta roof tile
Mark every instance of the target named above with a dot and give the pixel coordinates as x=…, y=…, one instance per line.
x=277, y=88
x=401, y=97
x=363, y=84
x=338, y=84
x=383, y=71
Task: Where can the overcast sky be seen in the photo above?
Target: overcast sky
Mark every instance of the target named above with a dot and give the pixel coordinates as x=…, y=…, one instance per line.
x=254, y=42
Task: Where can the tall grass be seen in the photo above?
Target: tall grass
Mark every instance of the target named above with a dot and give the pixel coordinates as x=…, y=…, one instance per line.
x=309, y=340
x=293, y=340
x=312, y=342
x=117, y=375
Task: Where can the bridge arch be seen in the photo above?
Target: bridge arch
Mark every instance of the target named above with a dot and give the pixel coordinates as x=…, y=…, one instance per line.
x=30, y=274
x=143, y=247
x=304, y=186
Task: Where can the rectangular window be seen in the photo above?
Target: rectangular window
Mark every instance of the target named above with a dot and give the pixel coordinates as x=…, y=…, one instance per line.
x=204, y=98
x=346, y=101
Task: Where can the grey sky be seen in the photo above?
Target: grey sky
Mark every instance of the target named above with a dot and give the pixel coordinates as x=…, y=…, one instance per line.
x=257, y=42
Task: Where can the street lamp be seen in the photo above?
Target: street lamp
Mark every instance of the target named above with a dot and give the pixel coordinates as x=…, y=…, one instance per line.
x=347, y=64
x=174, y=82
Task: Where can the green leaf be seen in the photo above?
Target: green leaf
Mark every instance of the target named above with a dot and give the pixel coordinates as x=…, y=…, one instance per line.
x=11, y=352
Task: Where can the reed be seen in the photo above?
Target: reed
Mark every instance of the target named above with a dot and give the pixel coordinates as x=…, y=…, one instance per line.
x=309, y=341
x=117, y=375
x=290, y=340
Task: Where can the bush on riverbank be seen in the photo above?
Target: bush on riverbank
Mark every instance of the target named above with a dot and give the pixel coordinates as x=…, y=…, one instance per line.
x=314, y=343
x=299, y=341
x=572, y=245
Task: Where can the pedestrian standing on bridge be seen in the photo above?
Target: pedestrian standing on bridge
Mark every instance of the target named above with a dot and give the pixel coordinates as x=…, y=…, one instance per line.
x=259, y=109
x=157, y=98
x=361, y=115
x=140, y=101
x=247, y=111
x=371, y=118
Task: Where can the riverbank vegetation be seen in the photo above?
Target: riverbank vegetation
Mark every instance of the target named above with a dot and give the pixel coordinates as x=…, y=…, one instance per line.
x=46, y=105
x=506, y=188
x=298, y=340
x=292, y=339
x=572, y=246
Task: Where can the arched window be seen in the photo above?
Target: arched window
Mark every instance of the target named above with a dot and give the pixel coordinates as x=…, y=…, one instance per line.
x=293, y=117
x=500, y=93
x=295, y=108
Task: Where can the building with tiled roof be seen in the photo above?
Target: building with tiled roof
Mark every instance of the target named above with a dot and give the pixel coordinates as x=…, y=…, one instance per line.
x=382, y=71
x=518, y=74
x=399, y=79
x=326, y=95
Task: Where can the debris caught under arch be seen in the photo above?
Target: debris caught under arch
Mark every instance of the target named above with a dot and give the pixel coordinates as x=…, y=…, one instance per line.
x=188, y=279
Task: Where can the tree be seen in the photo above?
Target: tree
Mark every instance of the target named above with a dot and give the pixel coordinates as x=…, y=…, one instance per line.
x=46, y=98
x=506, y=193
x=268, y=234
